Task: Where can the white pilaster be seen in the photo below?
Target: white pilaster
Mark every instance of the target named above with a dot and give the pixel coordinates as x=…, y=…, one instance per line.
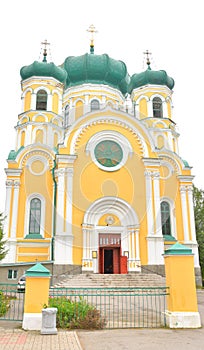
x=69, y=201
x=60, y=201
x=184, y=212
x=7, y=207
x=49, y=102
x=157, y=214
x=33, y=101
x=191, y=212
x=15, y=209
x=149, y=204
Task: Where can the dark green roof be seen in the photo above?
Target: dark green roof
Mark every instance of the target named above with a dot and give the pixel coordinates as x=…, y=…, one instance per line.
x=43, y=69
x=178, y=249
x=38, y=270
x=149, y=76
x=96, y=69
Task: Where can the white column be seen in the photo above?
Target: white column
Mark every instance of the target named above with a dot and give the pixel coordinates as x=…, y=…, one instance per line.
x=87, y=106
x=191, y=212
x=165, y=109
x=69, y=194
x=7, y=207
x=15, y=209
x=89, y=244
x=28, y=135
x=33, y=101
x=137, y=245
x=60, y=105
x=49, y=102
x=149, y=109
x=60, y=201
x=184, y=213
x=149, y=206
x=157, y=214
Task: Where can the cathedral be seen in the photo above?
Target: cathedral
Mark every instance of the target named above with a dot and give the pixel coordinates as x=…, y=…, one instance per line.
x=95, y=179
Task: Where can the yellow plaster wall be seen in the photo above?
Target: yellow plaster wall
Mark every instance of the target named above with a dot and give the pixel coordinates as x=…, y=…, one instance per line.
x=92, y=183
x=29, y=186
x=79, y=109
x=36, y=294
x=181, y=279
x=55, y=103
x=27, y=101
x=143, y=108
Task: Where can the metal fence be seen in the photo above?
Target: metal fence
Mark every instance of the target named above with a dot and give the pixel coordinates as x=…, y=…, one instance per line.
x=120, y=307
x=11, y=303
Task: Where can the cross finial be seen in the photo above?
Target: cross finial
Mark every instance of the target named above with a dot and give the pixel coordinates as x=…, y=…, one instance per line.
x=147, y=53
x=92, y=30
x=45, y=43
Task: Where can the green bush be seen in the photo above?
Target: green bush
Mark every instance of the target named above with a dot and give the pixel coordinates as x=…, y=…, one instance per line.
x=3, y=304
x=76, y=314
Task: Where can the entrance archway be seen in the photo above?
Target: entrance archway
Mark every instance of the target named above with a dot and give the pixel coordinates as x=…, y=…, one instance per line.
x=110, y=243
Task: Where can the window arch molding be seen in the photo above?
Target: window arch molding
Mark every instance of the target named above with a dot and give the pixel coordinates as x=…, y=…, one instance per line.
x=171, y=205
x=35, y=133
x=27, y=214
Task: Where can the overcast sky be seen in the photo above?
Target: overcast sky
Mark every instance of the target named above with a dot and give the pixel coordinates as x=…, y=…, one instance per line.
x=172, y=30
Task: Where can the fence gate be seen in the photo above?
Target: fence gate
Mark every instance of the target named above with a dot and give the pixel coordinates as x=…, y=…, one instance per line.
x=11, y=303
x=120, y=307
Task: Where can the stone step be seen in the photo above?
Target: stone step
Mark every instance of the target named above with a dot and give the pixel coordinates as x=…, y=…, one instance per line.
x=112, y=280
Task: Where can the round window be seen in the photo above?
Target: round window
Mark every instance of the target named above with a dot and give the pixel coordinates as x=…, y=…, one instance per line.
x=108, y=153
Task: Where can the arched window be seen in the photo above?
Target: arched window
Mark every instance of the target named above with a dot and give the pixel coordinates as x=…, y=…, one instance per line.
x=35, y=216
x=165, y=218
x=157, y=108
x=41, y=101
x=94, y=105
x=66, y=116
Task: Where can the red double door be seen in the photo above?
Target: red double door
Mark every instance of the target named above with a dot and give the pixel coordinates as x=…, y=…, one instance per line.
x=111, y=261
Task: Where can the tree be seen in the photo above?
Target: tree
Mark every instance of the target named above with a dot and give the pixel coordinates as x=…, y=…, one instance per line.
x=199, y=224
x=3, y=251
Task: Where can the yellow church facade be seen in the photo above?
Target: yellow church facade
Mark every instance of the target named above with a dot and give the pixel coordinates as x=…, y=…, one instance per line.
x=96, y=179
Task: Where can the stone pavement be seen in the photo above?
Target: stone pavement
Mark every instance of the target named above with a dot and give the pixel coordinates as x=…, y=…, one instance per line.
x=12, y=337
x=24, y=340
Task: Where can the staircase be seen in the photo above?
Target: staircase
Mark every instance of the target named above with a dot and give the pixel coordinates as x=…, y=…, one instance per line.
x=112, y=280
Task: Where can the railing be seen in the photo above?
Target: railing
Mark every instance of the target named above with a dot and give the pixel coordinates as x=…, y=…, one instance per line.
x=121, y=307
x=11, y=302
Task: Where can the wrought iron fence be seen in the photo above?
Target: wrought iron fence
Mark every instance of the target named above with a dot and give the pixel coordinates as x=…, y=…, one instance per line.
x=120, y=307
x=11, y=302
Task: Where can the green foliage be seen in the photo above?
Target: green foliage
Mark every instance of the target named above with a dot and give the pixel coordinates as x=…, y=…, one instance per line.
x=199, y=223
x=3, y=252
x=3, y=304
x=76, y=314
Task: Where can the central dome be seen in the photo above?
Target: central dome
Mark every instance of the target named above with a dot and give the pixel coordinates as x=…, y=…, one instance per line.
x=96, y=69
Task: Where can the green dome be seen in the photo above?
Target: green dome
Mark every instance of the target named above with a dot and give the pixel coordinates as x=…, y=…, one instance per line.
x=149, y=76
x=96, y=69
x=43, y=69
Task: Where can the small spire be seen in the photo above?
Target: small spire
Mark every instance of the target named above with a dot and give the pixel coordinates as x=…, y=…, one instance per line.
x=147, y=53
x=92, y=30
x=45, y=43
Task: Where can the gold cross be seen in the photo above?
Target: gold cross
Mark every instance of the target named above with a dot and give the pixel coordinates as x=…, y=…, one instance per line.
x=147, y=53
x=92, y=30
x=45, y=43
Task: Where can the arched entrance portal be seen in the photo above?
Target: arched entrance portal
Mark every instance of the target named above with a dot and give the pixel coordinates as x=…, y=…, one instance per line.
x=110, y=248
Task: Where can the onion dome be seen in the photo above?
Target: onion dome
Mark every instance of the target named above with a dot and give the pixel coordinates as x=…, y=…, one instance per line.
x=96, y=69
x=43, y=69
x=150, y=76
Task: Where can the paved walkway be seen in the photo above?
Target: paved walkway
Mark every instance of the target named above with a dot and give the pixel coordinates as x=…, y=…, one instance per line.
x=12, y=337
